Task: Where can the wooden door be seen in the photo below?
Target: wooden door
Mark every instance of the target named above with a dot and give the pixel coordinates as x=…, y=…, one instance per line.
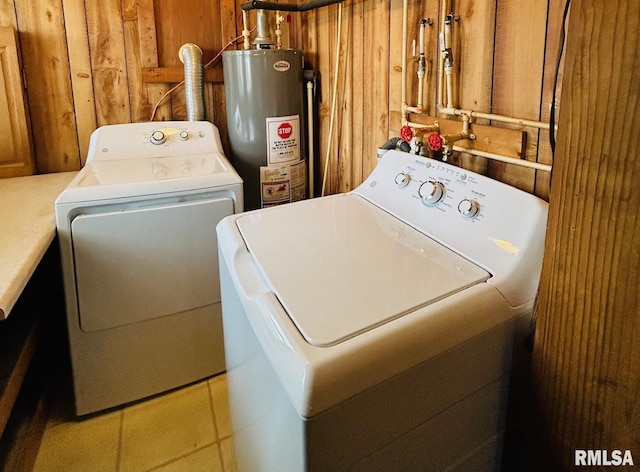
x=16, y=155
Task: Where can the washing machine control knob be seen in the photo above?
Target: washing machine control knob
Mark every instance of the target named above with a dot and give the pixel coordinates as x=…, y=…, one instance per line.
x=468, y=208
x=184, y=135
x=403, y=179
x=431, y=192
x=158, y=137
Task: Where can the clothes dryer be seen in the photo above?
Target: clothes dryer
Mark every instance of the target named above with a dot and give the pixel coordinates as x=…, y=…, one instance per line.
x=376, y=330
x=136, y=229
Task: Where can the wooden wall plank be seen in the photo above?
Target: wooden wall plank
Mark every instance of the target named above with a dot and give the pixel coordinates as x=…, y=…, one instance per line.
x=149, y=58
x=344, y=117
x=358, y=68
x=108, y=61
x=331, y=44
x=325, y=66
x=396, y=66
x=229, y=30
x=552, y=49
x=163, y=75
x=141, y=52
x=376, y=86
x=308, y=43
x=518, y=71
x=138, y=97
x=46, y=64
x=201, y=16
x=81, y=74
x=476, y=30
x=8, y=14
x=586, y=354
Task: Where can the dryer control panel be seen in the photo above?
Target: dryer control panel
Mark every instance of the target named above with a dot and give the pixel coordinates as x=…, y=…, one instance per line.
x=153, y=139
x=495, y=225
x=133, y=159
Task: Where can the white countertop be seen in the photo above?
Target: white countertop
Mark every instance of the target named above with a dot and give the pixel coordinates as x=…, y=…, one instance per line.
x=28, y=227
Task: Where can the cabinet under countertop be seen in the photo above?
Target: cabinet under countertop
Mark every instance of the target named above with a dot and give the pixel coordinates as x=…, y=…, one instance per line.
x=29, y=280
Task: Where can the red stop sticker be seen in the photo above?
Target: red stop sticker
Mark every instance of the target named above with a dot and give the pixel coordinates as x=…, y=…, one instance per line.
x=285, y=130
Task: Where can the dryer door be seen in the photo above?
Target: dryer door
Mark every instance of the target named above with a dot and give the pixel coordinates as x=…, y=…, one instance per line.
x=137, y=264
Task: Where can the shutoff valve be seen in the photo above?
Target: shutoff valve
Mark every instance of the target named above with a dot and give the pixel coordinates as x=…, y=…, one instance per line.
x=435, y=142
x=406, y=133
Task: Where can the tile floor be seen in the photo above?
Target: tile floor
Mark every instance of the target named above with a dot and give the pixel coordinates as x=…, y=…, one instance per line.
x=186, y=430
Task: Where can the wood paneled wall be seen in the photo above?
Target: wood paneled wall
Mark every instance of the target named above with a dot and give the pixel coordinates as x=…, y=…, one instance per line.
x=505, y=54
x=587, y=360
x=83, y=65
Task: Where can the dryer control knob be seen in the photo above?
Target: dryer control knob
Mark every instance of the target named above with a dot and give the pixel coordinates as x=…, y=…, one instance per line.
x=158, y=137
x=431, y=192
x=468, y=208
x=184, y=135
x=403, y=179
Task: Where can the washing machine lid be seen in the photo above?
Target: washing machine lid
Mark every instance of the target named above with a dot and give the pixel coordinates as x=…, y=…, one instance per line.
x=341, y=266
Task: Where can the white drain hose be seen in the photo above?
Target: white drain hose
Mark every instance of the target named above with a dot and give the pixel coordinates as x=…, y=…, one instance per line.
x=191, y=56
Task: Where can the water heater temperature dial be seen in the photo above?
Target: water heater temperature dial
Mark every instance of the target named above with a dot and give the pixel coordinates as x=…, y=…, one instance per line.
x=468, y=208
x=431, y=192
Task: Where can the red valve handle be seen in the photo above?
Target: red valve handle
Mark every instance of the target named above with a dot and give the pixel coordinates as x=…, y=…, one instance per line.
x=406, y=133
x=435, y=142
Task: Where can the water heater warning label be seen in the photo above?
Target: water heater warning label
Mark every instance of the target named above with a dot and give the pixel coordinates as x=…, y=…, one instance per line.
x=283, y=184
x=283, y=139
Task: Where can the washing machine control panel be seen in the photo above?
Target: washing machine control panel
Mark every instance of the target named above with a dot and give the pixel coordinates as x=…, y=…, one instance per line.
x=487, y=221
x=444, y=187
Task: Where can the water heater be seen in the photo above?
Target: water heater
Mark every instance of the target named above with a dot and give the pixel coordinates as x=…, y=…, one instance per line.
x=265, y=119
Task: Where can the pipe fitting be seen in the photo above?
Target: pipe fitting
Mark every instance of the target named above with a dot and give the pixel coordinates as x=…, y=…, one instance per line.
x=448, y=140
x=404, y=112
x=246, y=33
x=445, y=142
x=263, y=32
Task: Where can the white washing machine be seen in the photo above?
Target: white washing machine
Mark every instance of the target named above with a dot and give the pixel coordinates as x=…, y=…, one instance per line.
x=136, y=229
x=376, y=330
